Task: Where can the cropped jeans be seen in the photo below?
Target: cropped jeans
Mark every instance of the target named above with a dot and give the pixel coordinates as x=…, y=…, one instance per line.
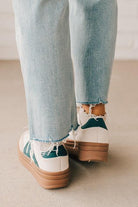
x=66, y=50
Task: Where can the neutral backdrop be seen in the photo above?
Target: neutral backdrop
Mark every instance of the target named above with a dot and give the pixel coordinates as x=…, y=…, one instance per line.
x=127, y=40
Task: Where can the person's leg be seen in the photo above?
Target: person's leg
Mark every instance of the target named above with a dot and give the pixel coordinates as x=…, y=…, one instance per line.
x=42, y=33
x=44, y=48
x=93, y=27
x=93, y=34
x=98, y=109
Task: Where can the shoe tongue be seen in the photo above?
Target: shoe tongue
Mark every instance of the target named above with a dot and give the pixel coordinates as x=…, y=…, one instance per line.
x=82, y=116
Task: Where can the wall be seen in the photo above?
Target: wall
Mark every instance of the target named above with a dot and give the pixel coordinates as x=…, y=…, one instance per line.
x=127, y=39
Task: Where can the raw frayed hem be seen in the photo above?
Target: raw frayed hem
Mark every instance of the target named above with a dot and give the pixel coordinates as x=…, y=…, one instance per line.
x=49, y=140
x=91, y=102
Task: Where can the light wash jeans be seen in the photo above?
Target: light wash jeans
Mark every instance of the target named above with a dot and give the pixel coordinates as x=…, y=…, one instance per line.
x=66, y=50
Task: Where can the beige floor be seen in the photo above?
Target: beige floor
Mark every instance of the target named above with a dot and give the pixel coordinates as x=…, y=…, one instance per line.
x=114, y=184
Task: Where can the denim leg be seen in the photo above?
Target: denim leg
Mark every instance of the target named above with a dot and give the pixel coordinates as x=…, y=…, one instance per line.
x=93, y=27
x=43, y=41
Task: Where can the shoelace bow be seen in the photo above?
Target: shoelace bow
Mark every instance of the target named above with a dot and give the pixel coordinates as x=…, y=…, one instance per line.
x=44, y=148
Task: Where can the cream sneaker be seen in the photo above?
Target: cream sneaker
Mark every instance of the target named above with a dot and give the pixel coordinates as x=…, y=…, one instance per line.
x=48, y=162
x=90, y=141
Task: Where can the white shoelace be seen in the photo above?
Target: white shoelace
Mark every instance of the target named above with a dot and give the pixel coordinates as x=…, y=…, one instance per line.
x=45, y=147
x=74, y=134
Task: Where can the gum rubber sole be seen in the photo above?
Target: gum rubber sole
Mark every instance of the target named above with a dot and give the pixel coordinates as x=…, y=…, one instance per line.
x=88, y=151
x=47, y=180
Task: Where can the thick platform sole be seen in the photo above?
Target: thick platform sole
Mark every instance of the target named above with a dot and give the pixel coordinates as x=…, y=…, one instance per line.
x=47, y=180
x=88, y=151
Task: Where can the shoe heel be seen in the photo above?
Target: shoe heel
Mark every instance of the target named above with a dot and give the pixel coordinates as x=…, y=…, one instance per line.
x=97, y=152
x=47, y=180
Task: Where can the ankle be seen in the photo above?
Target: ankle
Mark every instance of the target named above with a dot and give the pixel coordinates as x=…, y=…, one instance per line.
x=98, y=109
